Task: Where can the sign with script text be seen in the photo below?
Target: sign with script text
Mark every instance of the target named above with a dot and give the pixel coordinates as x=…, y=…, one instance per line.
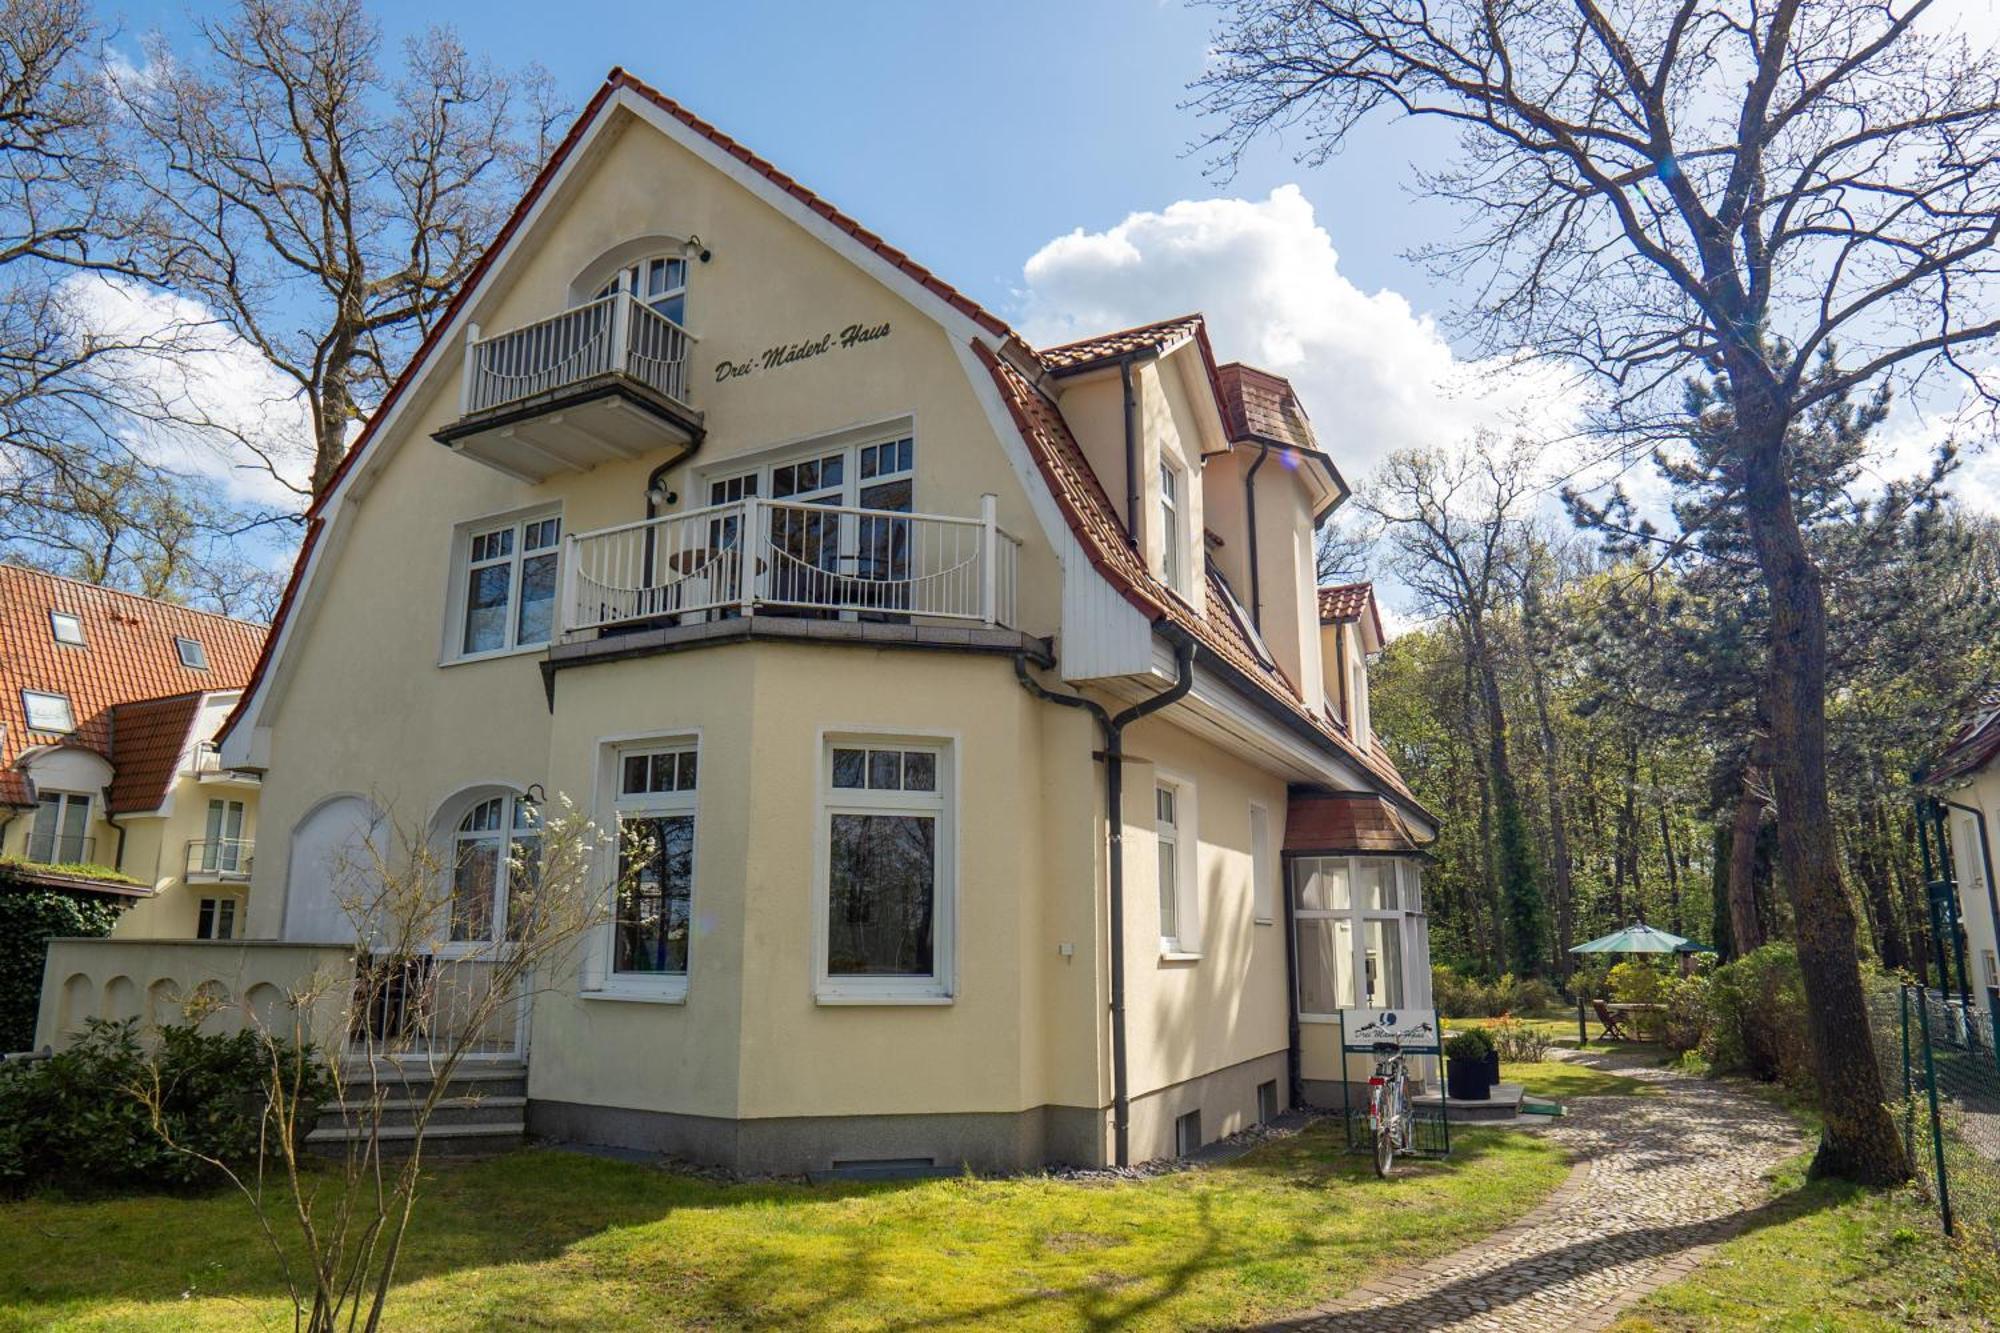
x=1415, y=1030
x=804, y=349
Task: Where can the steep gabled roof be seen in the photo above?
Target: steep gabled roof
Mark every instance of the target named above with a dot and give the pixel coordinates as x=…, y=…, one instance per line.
x=1091, y=516
x=127, y=655
x=1973, y=746
x=1158, y=337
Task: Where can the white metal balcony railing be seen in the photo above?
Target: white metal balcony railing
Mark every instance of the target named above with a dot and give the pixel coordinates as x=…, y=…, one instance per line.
x=615, y=334
x=799, y=557
x=219, y=858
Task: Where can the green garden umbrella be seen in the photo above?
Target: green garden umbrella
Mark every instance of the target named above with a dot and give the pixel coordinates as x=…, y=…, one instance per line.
x=1638, y=938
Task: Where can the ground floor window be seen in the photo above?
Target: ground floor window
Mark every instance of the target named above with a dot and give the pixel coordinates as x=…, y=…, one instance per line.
x=216, y=919
x=495, y=851
x=657, y=788
x=1357, y=920
x=886, y=895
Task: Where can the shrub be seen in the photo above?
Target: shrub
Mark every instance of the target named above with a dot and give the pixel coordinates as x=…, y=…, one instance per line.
x=1757, y=1018
x=1532, y=995
x=78, y=1121
x=29, y=919
x=1518, y=1042
x=1636, y=982
x=1471, y=1045
x=1688, y=1017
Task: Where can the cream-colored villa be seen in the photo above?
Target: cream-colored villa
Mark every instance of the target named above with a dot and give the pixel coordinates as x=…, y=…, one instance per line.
x=110, y=780
x=707, y=508
x=1967, y=777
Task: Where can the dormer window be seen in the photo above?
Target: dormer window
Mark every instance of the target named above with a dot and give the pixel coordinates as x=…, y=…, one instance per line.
x=1173, y=531
x=66, y=628
x=659, y=283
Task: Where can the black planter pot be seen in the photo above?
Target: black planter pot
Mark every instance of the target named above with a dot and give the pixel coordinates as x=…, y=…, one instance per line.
x=1492, y=1068
x=1466, y=1081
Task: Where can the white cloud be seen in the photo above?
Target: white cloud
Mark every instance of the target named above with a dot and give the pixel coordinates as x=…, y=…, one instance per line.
x=209, y=404
x=1374, y=374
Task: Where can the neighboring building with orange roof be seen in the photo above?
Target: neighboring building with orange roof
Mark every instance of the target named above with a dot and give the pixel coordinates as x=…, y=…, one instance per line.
x=707, y=509
x=109, y=708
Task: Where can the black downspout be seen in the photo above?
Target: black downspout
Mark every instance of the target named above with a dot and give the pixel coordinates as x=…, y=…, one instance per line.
x=653, y=480
x=1131, y=449
x=1114, y=815
x=1294, y=1060
x=1250, y=516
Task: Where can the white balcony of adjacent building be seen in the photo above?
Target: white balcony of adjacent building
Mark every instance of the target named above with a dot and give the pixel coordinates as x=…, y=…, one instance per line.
x=206, y=767
x=601, y=382
x=219, y=861
x=772, y=557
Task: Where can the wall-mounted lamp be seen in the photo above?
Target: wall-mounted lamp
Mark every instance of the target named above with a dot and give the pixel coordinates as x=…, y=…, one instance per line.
x=692, y=248
x=534, y=795
x=659, y=496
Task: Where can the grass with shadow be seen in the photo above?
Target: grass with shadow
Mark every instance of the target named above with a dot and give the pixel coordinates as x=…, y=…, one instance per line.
x=1828, y=1255
x=1565, y=1080
x=553, y=1240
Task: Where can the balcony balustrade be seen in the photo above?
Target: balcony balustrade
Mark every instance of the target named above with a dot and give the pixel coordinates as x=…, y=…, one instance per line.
x=216, y=860
x=767, y=555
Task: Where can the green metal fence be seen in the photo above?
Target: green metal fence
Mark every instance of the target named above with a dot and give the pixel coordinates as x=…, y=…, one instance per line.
x=1939, y=1059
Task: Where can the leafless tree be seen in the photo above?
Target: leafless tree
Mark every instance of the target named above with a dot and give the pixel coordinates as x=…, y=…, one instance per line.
x=390, y=1033
x=324, y=207
x=1657, y=190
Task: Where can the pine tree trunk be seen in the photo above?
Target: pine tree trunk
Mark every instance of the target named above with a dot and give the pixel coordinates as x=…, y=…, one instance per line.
x=1871, y=864
x=1746, y=927
x=1859, y=1140
x=1673, y=871
x=1561, y=871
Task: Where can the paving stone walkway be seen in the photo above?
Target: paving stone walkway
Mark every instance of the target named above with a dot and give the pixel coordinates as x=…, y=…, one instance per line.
x=1659, y=1181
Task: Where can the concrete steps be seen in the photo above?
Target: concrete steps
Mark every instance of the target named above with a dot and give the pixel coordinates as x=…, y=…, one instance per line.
x=480, y=1111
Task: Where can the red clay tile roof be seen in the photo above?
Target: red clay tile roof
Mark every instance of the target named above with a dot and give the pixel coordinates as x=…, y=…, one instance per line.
x=1093, y=518
x=1344, y=601
x=1973, y=746
x=147, y=738
x=1109, y=346
x=1263, y=406
x=128, y=654
x=1330, y=823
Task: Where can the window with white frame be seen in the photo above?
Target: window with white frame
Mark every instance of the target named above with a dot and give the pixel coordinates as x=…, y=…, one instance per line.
x=507, y=585
x=60, y=833
x=652, y=918
x=1263, y=872
x=1173, y=531
x=66, y=628
x=660, y=283
x=495, y=851
x=1360, y=934
x=1174, y=833
x=223, y=851
x=886, y=899
x=216, y=919
x=47, y=711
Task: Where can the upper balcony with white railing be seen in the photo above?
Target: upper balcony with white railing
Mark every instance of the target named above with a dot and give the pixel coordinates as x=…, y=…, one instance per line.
x=757, y=556
x=600, y=382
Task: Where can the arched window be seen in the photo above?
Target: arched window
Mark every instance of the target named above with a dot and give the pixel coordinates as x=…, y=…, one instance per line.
x=660, y=282
x=494, y=856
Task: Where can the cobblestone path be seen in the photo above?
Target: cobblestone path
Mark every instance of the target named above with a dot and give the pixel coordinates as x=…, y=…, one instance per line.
x=1659, y=1181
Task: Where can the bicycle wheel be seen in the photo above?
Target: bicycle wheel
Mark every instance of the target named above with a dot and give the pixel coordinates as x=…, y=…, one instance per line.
x=1385, y=1150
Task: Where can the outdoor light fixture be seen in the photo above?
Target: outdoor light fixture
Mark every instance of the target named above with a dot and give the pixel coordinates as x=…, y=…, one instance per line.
x=534, y=795
x=694, y=249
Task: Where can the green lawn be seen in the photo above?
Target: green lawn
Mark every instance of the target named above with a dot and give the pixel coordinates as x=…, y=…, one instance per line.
x=1826, y=1255
x=551, y=1240
x=1564, y=1080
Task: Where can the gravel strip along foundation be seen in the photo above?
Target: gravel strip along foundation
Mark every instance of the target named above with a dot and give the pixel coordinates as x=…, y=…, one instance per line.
x=1659, y=1181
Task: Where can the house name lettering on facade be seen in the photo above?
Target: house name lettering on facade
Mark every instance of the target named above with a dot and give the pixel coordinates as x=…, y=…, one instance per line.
x=786, y=354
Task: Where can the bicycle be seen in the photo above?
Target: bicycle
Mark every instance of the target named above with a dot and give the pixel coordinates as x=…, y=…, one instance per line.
x=1388, y=1106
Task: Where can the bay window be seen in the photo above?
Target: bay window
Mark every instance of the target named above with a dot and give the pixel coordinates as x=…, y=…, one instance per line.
x=1360, y=933
x=885, y=896
x=506, y=585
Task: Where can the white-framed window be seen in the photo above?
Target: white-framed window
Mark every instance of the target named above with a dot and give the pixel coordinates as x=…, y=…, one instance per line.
x=886, y=890
x=47, y=711
x=60, y=833
x=652, y=919
x=495, y=851
x=1361, y=941
x=66, y=628
x=1175, y=837
x=504, y=597
x=1357, y=691
x=659, y=282
x=1263, y=867
x=1173, y=529
x=216, y=919
x=193, y=656
x=223, y=851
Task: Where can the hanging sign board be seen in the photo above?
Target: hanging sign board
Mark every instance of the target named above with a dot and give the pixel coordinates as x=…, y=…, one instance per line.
x=1415, y=1030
